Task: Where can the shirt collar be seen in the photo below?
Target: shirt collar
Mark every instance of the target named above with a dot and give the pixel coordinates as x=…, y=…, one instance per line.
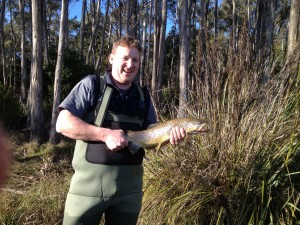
x=109, y=81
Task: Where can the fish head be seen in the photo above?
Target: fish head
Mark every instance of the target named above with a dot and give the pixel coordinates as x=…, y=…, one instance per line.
x=195, y=126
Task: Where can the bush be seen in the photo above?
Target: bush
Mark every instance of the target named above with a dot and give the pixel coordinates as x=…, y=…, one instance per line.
x=12, y=113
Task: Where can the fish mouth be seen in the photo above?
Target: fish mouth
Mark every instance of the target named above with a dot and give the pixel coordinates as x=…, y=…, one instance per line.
x=203, y=127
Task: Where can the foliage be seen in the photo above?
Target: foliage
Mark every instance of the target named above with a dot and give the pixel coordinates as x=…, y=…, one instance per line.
x=73, y=71
x=12, y=114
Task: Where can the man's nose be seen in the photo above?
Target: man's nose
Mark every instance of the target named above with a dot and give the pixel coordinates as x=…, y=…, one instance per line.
x=129, y=63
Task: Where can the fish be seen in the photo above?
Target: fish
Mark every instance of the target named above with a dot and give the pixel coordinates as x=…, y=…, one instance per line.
x=158, y=134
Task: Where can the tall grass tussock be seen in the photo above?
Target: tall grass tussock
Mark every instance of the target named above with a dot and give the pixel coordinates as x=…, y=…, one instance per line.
x=246, y=170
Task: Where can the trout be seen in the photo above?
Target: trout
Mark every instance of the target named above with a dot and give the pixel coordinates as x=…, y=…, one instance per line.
x=158, y=134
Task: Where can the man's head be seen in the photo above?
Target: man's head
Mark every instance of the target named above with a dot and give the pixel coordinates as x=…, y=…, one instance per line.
x=125, y=61
x=126, y=41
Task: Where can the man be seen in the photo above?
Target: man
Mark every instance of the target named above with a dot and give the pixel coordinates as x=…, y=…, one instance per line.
x=108, y=178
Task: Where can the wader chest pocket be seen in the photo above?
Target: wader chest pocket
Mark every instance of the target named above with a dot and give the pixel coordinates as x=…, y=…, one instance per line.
x=98, y=153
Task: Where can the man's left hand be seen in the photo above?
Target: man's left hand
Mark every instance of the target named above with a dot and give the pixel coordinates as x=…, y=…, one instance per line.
x=177, y=135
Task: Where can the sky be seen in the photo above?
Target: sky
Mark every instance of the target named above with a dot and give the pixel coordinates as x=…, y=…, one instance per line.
x=75, y=9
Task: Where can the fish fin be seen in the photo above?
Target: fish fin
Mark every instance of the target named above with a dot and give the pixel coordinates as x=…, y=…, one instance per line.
x=133, y=147
x=157, y=148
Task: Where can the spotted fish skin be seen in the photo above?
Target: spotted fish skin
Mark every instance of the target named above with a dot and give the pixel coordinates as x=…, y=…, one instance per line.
x=158, y=134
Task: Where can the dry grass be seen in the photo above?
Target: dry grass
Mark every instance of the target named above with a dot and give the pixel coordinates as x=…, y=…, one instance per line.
x=37, y=186
x=246, y=170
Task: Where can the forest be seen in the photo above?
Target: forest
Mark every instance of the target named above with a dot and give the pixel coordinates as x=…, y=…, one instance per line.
x=232, y=62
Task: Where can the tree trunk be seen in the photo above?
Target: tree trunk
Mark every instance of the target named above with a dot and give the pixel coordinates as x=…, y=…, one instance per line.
x=54, y=137
x=202, y=43
x=2, y=50
x=234, y=28
x=82, y=28
x=99, y=58
x=161, y=53
x=149, y=40
x=120, y=18
x=134, y=13
x=128, y=15
x=156, y=38
x=293, y=27
x=14, y=46
x=23, y=54
x=45, y=33
x=264, y=36
x=143, y=57
x=95, y=23
x=184, y=51
x=36, y=84
x=216, y=19
x=265, y=24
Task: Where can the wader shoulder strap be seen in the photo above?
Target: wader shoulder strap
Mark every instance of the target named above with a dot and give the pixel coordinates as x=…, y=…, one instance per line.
x=104, y=102
x=141, y=94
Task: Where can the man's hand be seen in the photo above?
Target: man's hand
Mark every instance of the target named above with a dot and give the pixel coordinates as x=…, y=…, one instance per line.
x=177, y=135
x=115, y=140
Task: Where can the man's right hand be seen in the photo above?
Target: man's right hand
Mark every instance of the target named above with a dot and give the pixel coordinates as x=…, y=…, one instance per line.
x=115, y=140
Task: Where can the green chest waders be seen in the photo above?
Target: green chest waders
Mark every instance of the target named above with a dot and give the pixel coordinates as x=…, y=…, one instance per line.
x=96, y=189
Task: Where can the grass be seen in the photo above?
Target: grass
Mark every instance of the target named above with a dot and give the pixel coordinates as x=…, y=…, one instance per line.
x=37, y=185
x=246, y=170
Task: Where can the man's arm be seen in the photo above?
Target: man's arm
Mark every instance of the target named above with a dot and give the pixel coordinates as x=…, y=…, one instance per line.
x=75, y=128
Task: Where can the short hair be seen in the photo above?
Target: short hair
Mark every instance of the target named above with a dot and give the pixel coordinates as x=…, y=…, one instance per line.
x=126, y=41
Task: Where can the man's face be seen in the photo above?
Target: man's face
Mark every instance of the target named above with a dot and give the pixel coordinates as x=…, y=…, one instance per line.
x=125, y=65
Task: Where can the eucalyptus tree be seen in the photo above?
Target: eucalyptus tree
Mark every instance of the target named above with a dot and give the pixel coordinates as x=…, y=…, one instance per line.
x=131, y=17
x=54, y=137
x=95, y=18
x=99, y=56
x=144, y=11
x=201, y=65
x=184, y=52
x=161, y=51
x=216, y=19
x=45, y=32
x=149, y=37
x=2, y=50
x=36, y=81
x=23, y=53
x=82, y=29
x=293, y=27
x=116, y=18
x=157, y=14
x=13, y=47
x=264, y=35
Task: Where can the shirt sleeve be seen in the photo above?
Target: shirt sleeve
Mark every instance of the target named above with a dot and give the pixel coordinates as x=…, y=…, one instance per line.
x=79, y=100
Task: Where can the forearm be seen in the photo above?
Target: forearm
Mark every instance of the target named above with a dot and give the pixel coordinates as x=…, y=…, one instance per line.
x=75, y=128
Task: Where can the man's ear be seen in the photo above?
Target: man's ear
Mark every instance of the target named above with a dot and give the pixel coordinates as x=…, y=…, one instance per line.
x=111, y=58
